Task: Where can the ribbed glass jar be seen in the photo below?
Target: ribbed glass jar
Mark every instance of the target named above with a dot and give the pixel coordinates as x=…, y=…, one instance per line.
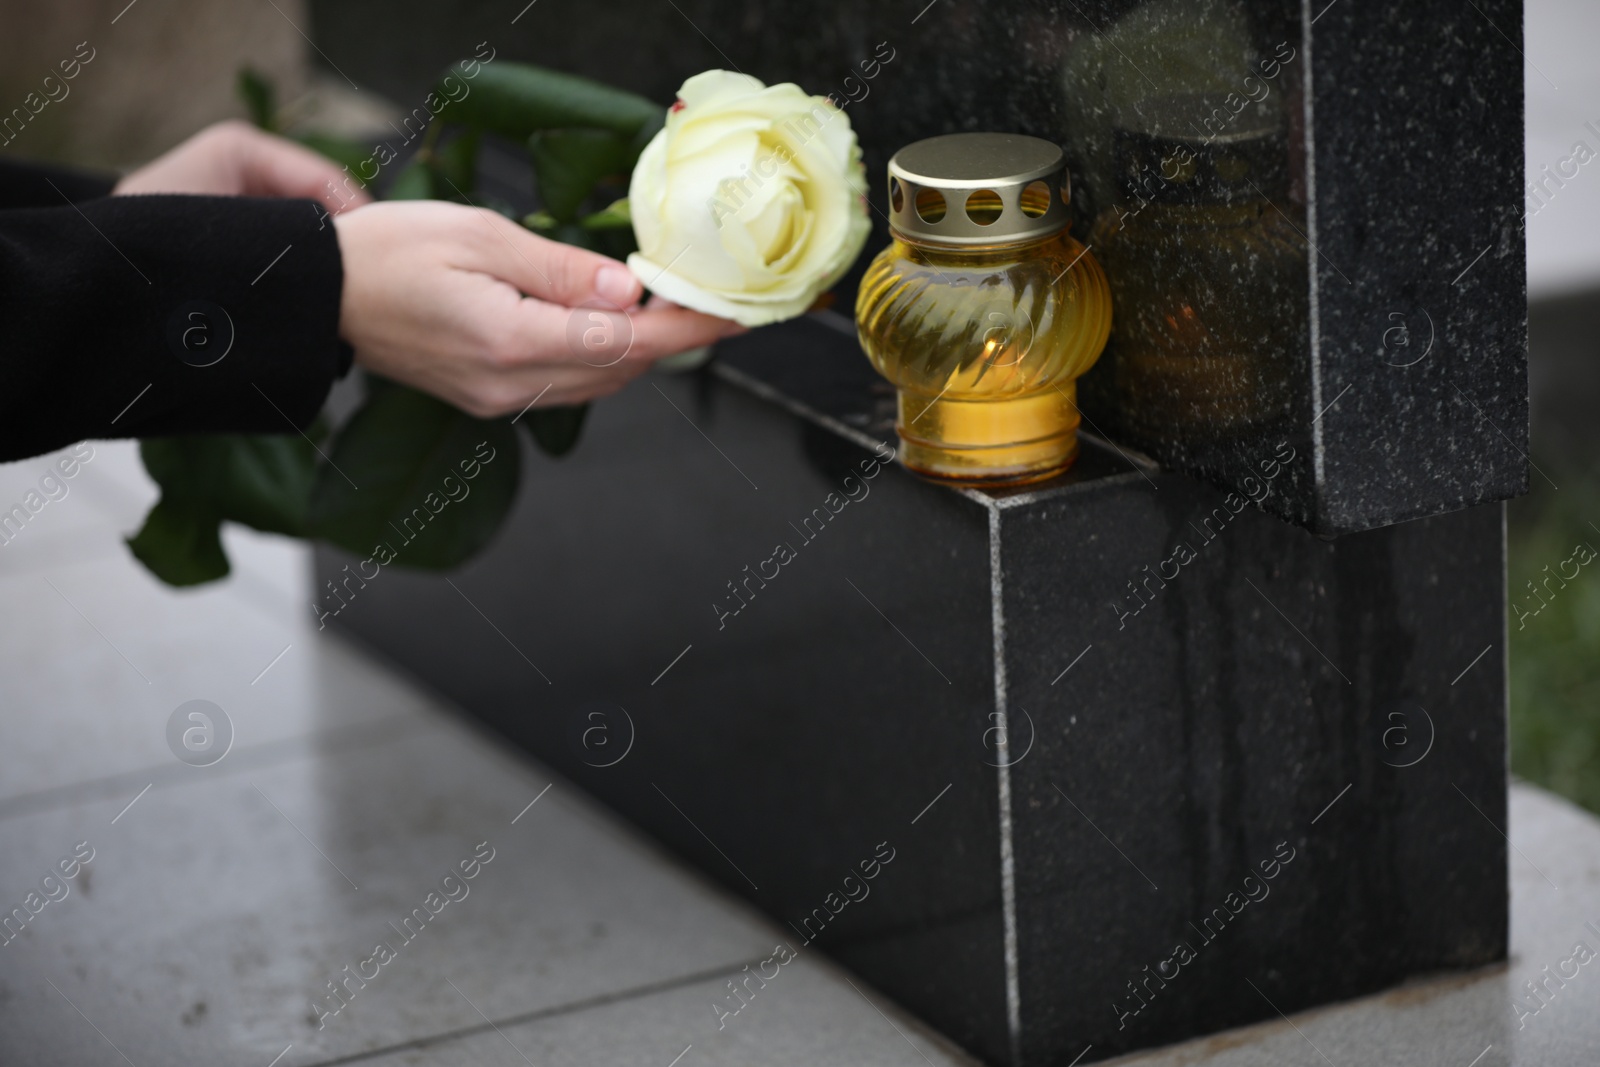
x=985, y=344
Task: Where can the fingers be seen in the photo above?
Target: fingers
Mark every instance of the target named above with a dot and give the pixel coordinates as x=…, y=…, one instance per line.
x=274, y=166
x=544, y=386
x=554, y=272
x=470, y=307
x=580, y=354
x=664, y=329
x=549, y=356
x=235, y=159
x=540, y=332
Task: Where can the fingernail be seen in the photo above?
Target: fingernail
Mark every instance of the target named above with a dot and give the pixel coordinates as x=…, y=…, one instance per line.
x=617, y=285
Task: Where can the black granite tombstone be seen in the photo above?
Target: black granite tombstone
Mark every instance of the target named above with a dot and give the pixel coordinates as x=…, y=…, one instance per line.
x=1092, y=722
x=1116, y=759
x=1308, y=211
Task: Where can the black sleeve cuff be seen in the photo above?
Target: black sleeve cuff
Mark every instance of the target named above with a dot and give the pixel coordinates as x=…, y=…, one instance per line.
x=145, y=316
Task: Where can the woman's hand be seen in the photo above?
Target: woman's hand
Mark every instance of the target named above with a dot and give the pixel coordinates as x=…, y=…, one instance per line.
x=455, y=301
x=236, y=159
x=467, y=305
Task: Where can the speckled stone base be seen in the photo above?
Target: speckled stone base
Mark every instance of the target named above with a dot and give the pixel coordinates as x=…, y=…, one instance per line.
x=1094, y=720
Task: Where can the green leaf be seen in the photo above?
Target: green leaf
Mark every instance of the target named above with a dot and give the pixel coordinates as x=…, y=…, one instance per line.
x=503, y=208
x=611, y=242
x=435, y=484
x=517, y=100
x=259, y=96
x=568, y=163
x=614, y=216
x=616, y=242
x=540, y=222
x=347, y=154
x=414, y=182
x=573, y=234
x=556, y=430
x=181, y=543
x=643, y=135
x=456, y=167
x=261, y=480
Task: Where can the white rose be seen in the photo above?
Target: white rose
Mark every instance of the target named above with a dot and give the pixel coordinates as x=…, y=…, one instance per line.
x=750, y=202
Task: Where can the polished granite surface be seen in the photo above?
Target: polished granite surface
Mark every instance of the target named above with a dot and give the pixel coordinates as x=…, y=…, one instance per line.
x=1308, y=212
x=219, y=901
x=1119, y=655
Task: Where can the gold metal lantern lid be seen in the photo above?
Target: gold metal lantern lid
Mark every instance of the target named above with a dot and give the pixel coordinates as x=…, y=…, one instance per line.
x=979, y=189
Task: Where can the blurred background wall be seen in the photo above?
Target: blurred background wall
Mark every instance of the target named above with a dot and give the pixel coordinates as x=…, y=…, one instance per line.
x=163, y=70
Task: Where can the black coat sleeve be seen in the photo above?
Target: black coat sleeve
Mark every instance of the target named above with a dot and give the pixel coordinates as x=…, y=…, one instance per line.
x=31, y=185
x=141, y=316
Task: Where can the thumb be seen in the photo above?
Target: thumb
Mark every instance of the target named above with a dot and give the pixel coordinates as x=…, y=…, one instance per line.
x=662, y=328
x=554, y=272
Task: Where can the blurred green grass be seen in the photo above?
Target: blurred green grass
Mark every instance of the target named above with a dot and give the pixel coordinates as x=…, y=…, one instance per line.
x=1555, y=654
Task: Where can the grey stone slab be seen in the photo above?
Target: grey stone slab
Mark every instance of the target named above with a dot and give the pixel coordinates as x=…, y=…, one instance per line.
x=69, y=519
x=105, y=501
x=1451, y=1022
x=811, y=1014
x=99, y=655
x=212, y=914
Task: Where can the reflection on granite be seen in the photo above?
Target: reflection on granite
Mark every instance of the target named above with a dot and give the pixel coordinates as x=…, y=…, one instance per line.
x=1383, y=147
x=1209, y=277
x=1179, y=116
x=1047, y=703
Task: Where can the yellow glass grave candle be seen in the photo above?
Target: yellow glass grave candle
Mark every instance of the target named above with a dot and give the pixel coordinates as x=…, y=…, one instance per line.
x=984, y=310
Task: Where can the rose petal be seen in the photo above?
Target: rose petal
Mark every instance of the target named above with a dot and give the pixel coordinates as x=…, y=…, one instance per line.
x=748, y=203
